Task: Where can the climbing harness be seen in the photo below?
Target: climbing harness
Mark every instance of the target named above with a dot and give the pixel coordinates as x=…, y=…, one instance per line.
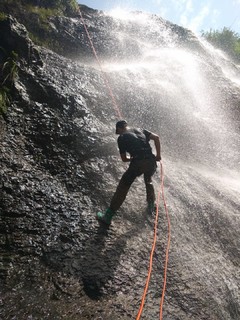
x=160, y=191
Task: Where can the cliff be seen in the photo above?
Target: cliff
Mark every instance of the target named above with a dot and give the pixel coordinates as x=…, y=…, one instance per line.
x=60, y=164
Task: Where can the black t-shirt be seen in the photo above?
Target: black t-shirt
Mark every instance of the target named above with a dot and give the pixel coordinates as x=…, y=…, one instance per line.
x=135, y=142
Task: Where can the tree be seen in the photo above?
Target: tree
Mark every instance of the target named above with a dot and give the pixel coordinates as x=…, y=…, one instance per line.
x=226, y=40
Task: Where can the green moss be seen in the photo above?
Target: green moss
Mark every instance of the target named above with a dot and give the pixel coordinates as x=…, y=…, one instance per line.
x=36, y=39
x=4, y=100
x=9, y=69
x=35, y=15
x=8, y=73
x=43, y=15
x=3, y=16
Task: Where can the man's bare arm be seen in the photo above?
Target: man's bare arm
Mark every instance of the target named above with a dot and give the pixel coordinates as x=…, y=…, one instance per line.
x=156, y=140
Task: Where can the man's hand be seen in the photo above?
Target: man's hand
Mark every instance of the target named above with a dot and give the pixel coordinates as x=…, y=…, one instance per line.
x=158, y=158
x=124, y=157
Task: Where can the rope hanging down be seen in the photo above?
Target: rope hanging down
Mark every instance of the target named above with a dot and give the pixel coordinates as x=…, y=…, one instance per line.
x=151, y=259
x=168, y=243
x=161, y=189
x=115, y=105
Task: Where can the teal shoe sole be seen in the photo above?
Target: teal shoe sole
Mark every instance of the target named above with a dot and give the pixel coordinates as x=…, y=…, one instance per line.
x=101, y=218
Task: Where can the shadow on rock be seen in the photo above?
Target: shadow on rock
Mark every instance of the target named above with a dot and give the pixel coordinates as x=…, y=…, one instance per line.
x=100, y=261
x=93, y=261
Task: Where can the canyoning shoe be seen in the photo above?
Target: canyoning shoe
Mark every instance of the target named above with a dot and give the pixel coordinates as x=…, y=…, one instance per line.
x=105, y=217
x=151, y=207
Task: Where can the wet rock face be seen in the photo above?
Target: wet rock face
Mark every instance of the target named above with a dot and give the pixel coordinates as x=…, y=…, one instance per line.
x=50, y=142
x=13, y=37
x=60, y=164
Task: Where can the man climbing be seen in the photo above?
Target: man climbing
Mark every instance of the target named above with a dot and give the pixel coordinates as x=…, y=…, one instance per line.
x=142, y=161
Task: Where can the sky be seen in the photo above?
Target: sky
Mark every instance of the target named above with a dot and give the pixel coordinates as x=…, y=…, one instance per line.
x=196, y=15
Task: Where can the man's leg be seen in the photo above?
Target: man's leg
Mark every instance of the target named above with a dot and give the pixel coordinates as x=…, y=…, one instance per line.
x=121, y=192
x=151, y=168
x=149, y=188
x=122, y=189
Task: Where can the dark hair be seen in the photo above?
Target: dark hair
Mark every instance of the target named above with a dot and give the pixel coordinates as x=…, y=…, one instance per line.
x=121, y=124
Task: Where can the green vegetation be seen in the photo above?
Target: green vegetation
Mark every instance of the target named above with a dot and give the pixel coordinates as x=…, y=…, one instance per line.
x=44, y=14
x=4, y=99
x=35, y=16
x=3, y=16
x=48, y=10
x=10, y=69
x=67, y=7
x=8, y=73
x=45, y=9
x=226, y=40
x=64, y=7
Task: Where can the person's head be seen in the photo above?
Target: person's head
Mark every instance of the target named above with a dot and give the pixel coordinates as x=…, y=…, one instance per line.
x=121, y=126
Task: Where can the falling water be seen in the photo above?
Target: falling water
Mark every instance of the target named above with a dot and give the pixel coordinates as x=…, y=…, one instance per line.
x=181, y=93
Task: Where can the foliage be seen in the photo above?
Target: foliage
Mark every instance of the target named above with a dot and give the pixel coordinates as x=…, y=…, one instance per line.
x=226, y=40
x=9, y=69
x=44, y=14
x=35, y=16
x=3, y=16
x=4, y=99
x=66, y=6
x=8, y=73
x=47, y=8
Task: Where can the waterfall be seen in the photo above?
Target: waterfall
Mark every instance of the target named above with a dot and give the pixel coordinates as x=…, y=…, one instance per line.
x=184, y=90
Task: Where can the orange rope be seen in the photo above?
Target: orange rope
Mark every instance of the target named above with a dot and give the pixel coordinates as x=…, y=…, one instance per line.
x=168, y=244
x=115, y=105
x=151, y=259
